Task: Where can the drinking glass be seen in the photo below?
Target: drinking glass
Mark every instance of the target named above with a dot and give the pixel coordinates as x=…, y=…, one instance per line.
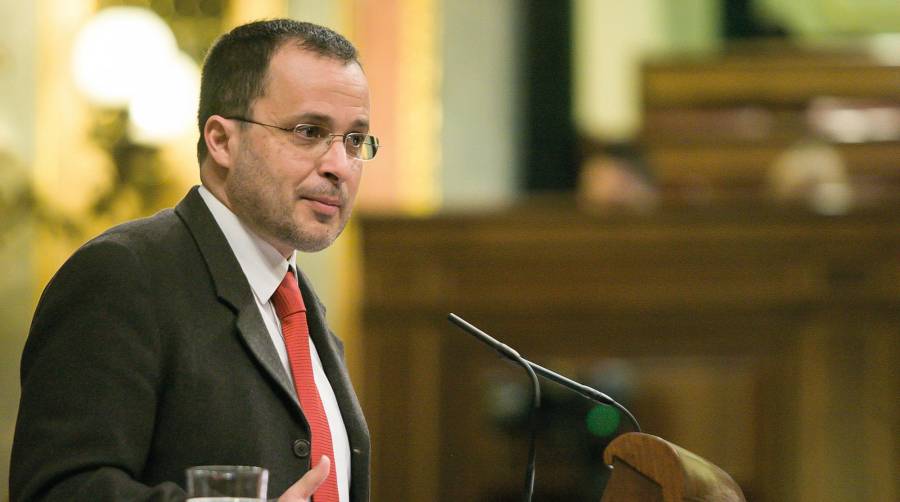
x=226, y=483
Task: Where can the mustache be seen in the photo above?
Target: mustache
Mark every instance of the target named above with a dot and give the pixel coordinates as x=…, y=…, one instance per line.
x=328, y=191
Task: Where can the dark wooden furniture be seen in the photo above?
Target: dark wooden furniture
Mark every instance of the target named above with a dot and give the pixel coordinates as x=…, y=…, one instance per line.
x=716, y=124
x=764, y=340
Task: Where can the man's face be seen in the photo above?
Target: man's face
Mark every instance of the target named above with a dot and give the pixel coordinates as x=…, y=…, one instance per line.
x=292, y=197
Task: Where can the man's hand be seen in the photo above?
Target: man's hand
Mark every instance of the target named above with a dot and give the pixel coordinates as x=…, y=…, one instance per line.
x=303, y=490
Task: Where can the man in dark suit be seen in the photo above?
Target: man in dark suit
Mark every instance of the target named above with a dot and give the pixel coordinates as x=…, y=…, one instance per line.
x=162, y=343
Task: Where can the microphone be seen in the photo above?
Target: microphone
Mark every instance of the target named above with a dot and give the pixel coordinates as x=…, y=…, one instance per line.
x=506, y=351
x=514, y=356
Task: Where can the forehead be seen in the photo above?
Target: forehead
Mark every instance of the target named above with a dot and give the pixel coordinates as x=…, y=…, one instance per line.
x=300, y=81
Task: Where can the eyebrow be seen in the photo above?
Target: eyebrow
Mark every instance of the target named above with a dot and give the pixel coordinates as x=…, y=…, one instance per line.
x=318, y=118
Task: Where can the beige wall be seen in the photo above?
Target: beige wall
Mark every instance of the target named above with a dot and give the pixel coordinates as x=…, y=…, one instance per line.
x=612, y=39
x=480, y=136
x=17, y=98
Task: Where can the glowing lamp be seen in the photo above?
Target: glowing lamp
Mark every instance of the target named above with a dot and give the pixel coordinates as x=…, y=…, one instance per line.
x=117, y=51
x=165, y=104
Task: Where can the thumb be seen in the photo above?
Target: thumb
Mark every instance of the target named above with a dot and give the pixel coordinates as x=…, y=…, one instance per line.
x=303, y=489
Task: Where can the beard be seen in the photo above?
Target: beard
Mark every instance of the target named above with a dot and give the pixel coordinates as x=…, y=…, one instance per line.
x=258, y=199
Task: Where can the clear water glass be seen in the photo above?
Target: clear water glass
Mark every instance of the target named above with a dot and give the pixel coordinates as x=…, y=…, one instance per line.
x=226, y=483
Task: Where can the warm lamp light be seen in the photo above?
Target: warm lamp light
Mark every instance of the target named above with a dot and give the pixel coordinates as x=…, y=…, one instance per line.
x=115, y=50
x=128, y=57
x=165, y=104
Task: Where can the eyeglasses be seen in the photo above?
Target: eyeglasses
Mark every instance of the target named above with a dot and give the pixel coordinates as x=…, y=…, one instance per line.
x=317, y=139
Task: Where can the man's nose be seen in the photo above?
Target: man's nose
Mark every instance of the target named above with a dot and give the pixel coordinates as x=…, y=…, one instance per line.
x=335, y=163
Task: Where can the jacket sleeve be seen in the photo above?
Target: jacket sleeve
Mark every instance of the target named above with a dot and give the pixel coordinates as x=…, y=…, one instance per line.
x=90, y=375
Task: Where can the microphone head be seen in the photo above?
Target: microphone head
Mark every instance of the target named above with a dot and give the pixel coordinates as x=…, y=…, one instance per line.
x=502, y=348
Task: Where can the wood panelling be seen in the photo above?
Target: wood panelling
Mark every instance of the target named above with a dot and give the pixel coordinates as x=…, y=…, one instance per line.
x=773, y=73
x=719, y=126
x=763, y=340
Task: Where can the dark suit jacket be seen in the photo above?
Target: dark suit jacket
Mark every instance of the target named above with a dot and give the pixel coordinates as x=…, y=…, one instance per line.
x=147, y=354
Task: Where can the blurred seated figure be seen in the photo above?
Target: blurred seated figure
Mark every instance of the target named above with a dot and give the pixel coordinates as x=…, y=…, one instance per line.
x=812, y=174
x=615, y=177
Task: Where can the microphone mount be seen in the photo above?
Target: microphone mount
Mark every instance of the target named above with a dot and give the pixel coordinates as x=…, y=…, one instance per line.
x=514, y=356
x=506, y=351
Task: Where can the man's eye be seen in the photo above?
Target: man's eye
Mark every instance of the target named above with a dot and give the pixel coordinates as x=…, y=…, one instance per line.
x=310, y=131
x=356, y=140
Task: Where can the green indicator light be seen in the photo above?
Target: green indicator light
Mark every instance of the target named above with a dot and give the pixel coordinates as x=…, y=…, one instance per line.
x=603, y=420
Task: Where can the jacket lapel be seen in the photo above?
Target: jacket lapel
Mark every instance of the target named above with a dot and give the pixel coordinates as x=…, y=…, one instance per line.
x=331, y=354
x=232, y=288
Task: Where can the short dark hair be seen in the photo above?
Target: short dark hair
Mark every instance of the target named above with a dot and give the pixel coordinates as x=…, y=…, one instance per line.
x=235, y=69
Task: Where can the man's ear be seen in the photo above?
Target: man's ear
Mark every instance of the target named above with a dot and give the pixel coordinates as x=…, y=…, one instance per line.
x=221, y=139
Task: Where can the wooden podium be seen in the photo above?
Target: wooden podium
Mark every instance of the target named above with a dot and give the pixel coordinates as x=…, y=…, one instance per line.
x=798, y=314
x=648, y=468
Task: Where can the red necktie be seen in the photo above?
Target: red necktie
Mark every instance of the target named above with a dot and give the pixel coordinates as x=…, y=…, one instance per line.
x=292, y=312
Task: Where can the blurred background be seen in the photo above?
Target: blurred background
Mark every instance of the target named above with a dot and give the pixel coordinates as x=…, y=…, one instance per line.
x=689, y=204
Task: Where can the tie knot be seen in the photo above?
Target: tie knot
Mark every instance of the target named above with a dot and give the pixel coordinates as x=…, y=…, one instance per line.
x=287, y=298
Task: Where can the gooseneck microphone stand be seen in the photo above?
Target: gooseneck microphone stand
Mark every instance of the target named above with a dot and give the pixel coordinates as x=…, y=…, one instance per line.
x=534, y=370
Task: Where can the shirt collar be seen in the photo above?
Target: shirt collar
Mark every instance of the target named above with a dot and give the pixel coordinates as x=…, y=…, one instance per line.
x=262, y=264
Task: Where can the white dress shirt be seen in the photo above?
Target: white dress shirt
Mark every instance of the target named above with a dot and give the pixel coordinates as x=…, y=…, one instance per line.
x=265, y=268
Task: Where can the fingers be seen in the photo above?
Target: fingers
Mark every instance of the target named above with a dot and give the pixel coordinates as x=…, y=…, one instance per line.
x=304, y=488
